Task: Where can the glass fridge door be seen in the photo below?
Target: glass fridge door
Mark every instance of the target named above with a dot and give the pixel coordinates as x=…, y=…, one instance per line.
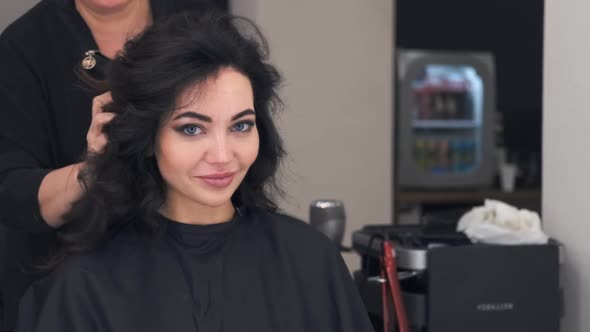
x=446, y=120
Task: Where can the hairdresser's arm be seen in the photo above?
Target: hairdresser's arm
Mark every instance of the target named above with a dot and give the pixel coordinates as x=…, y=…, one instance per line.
x=32, y=197
x=33, y=194
x=26, y=153
x=60, y=188
x=20, y=177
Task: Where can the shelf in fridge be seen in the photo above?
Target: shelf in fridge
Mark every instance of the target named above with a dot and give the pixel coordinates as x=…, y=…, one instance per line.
x=445, y=124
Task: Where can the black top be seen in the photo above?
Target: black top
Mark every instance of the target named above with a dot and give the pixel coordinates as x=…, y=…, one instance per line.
x=259, y=272
x=45, y=113
x=198, y=249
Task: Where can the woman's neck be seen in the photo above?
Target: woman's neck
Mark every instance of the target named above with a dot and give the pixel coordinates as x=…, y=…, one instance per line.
x=111, y=28
x=197, y=214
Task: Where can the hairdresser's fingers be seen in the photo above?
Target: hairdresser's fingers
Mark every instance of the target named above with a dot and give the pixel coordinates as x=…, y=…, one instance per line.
x=101, y=119
x=95, y=138
x=97, y=143
x=99, y=101
x=98, y=121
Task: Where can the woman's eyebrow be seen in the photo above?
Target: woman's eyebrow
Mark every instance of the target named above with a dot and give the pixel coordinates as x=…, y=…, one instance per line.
x=243, y=113
x=202, y=117
x=193, y=115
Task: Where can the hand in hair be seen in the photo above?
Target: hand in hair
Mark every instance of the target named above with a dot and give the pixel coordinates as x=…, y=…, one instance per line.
x=95, y=138
x=60, y=187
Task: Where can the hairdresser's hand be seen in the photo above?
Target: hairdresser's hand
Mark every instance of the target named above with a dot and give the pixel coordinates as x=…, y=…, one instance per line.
x=96, y=139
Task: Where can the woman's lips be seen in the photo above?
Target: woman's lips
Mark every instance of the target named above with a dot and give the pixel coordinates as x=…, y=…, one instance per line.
x=220, y=180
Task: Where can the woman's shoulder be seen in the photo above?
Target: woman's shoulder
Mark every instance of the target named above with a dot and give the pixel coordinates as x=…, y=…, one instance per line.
x=289, y=241
x=293, y=231
x=283, y=222
x=124, y=251
x=80, y=281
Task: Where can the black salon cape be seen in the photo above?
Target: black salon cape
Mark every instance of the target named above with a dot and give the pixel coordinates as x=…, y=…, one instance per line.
x=259, y=272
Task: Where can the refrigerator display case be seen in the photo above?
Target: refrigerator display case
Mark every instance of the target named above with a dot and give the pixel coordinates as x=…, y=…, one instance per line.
x=444, y=122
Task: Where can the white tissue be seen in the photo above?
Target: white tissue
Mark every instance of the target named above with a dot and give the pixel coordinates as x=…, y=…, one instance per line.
x=499, y=223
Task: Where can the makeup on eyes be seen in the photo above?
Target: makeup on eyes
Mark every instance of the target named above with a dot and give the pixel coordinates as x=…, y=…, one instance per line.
x=248, y=123
x=194, y=129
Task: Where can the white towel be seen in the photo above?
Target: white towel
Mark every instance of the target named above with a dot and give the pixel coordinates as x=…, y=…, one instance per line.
x=499, y=223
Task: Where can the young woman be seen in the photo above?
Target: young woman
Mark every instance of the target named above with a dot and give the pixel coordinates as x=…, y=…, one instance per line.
x=177, y=229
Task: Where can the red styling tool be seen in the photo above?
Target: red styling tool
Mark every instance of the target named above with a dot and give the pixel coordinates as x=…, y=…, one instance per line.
x=389, y=270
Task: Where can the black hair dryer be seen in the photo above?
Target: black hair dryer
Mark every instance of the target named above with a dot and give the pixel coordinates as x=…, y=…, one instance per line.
x=328, y=217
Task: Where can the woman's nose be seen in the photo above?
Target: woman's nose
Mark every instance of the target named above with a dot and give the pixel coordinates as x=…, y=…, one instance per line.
x=219, y=151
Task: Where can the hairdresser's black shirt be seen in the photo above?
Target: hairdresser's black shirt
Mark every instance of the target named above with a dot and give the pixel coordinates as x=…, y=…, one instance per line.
x=260, y=272
x=45, y=113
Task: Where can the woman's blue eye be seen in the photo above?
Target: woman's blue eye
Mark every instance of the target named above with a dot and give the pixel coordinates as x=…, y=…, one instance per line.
x=243, y=126
x=191, y=130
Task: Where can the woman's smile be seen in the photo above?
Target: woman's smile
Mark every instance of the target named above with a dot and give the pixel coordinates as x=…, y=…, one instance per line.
x=218, y=180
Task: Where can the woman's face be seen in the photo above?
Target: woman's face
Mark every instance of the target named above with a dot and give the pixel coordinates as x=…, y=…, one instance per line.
x=207, y=145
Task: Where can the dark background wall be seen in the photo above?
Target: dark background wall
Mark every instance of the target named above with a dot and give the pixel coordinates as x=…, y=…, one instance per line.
x=512, y=31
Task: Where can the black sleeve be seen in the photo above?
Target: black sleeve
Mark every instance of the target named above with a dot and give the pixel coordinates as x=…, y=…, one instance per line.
x=61, y=302
x=24, y=137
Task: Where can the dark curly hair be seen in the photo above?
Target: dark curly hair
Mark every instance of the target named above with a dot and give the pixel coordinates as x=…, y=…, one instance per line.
x=122, y=185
